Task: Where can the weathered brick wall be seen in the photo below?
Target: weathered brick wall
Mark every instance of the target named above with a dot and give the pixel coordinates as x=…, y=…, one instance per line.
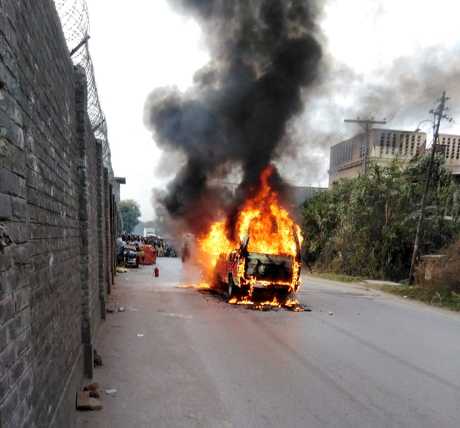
x=54, y=266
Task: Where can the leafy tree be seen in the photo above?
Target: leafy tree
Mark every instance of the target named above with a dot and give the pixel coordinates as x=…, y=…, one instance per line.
x=130, y=214
x=366, y=226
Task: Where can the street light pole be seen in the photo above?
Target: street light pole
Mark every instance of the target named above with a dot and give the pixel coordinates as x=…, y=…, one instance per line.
x=366, y=124
x=438, y=115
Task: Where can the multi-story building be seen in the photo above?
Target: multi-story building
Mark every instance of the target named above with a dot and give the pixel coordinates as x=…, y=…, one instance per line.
x=348, y=158
x=451, y=147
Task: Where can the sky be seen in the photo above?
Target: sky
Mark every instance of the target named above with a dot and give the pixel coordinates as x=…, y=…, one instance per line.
x=142, y=45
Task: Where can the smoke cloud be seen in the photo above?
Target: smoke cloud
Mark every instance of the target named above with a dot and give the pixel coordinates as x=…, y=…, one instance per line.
x=402, y=93
x=264, y=54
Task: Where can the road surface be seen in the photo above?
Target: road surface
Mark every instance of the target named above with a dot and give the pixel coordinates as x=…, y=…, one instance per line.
x=181, y=358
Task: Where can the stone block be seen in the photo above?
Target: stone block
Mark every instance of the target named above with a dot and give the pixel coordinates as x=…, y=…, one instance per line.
x=19, y=207
x=4, y=387
x=7, y=356
x=6, y=208
x=12, y=184
x=6, y=259
x=12, y=158
x=18, y=325
x=22, y=299
x=3, y=343
x=8, y=407
x=23, y=343
x=19, y=368
x=18, y=232
x=6, y=310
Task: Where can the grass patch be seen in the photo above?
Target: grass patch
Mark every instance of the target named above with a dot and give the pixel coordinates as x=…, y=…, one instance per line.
x=338, y=277
x=442, y=297
x=435, y=296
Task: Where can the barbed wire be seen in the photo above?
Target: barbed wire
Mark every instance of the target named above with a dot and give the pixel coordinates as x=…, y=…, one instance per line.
x=75, y=23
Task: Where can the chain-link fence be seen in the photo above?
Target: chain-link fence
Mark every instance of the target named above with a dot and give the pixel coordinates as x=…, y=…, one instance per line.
x=75, y=23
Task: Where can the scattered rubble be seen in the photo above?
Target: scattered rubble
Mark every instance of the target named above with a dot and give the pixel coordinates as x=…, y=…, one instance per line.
x=97, y=359
x=110, y=308
x=88, y=398
x=93, y=389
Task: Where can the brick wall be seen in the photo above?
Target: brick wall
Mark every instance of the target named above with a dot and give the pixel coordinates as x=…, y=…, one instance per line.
x=55, y=264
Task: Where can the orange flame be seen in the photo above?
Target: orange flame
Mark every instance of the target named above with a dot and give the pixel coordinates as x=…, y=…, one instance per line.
x=262, y=219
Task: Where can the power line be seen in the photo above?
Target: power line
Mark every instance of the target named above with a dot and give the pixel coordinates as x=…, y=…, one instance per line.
x=439, y=113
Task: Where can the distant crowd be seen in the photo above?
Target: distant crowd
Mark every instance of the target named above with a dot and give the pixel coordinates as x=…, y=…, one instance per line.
x=128, y=244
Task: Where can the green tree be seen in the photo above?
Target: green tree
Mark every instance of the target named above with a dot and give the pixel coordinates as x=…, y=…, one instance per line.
x=366, y=226
x=130, y=214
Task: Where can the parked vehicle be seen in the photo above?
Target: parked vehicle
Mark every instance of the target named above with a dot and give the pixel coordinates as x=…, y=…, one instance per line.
x=131, y=258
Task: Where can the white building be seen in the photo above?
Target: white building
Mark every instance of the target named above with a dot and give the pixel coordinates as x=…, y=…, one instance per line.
x=347, y=158
x=451, y=145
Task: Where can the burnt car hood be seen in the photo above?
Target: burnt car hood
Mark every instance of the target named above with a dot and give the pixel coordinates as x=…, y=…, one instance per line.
x=266, y=268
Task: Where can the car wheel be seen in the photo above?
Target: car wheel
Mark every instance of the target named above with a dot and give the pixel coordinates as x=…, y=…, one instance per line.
x=244, y=291
x=230, y=288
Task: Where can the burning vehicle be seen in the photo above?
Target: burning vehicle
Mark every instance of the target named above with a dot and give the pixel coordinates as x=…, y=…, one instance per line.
x=242, y=274
x=266, y=264
x=230, y=126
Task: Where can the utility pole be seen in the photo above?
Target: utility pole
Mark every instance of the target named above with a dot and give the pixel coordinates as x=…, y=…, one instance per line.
x=366, y=124
x=438, y=113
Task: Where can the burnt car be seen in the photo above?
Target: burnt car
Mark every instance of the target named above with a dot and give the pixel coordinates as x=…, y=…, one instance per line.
x=241, y=273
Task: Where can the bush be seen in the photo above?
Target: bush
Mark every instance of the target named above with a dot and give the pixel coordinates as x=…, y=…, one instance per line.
x=449, y=274
x=366, y=226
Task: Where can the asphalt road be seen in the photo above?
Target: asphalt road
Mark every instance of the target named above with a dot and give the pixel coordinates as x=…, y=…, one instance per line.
x=181, y=358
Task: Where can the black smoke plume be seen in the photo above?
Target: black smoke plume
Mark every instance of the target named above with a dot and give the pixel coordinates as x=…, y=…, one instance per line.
x=264, y=54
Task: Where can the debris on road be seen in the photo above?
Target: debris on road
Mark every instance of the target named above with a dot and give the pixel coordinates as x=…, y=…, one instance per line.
x=331, y=313
x=110, y=308
x=121, y=269
x=88, y=398
x=93, y=389
x=111, y=391
x=97, y=359
x=172, y=315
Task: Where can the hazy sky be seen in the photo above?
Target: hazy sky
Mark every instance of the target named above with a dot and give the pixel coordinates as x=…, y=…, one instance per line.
x=140, y=45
